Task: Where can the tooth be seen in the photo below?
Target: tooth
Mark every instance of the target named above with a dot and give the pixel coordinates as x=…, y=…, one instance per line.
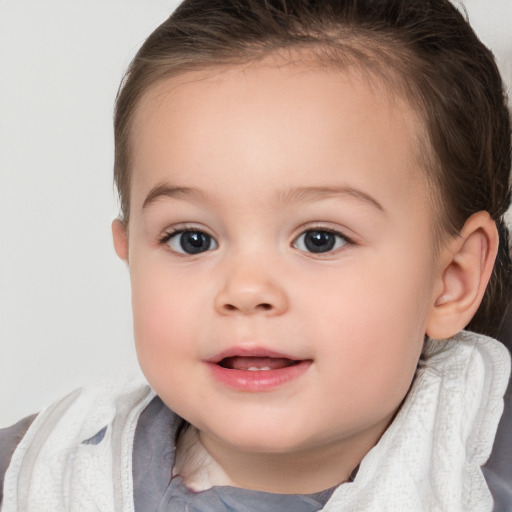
x=257, y=369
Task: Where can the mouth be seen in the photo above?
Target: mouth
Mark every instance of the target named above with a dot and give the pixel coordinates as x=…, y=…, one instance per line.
x=256, y=364
x=255, y=370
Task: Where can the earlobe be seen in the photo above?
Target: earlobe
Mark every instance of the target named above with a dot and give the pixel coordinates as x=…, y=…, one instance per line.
x=468, y=260
x=120, y=237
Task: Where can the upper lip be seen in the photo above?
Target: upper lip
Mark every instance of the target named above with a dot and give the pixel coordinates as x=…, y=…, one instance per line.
x=255, y=351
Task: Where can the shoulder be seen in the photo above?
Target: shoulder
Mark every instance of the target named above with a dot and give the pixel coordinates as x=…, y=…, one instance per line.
x=79, y=415
x=498, y=469
x=9, y=440
x=44, y=448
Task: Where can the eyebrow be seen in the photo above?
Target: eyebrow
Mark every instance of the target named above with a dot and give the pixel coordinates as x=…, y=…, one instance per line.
x=164, y=190
x=317, y=193
x=291, y=195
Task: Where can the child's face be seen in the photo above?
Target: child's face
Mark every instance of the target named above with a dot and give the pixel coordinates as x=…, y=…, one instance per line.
x=279, y=212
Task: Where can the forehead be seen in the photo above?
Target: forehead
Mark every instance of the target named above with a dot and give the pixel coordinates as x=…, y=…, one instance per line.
x=273, y=116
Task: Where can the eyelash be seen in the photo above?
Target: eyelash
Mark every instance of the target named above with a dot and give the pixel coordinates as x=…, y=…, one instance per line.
x=319, y=230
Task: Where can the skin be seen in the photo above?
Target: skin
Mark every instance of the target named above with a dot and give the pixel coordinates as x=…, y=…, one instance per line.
x=248, y=141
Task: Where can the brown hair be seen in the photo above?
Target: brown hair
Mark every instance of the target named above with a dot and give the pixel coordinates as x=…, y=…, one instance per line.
x=425, y=47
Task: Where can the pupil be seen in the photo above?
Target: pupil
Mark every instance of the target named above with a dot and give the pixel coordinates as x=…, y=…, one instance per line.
x=195, y=242
x=319, y=241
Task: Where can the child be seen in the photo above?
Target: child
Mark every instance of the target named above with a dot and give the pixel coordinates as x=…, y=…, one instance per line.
x=312, y=197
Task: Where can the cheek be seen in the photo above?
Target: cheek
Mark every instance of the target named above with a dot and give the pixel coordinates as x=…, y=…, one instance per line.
x=171, y=315
x=372, y=323
x=161, y=317
x=169, y=338
x=382, y=297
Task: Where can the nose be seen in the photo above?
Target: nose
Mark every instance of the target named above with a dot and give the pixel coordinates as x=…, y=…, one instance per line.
x=251, y=290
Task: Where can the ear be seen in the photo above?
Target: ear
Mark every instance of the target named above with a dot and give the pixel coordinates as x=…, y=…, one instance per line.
x=120, y=236
x=466, y=264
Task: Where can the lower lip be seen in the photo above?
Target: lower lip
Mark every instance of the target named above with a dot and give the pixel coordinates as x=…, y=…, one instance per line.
x=260, y=380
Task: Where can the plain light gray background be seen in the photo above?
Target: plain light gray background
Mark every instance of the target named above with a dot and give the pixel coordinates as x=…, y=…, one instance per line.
x=64, y=297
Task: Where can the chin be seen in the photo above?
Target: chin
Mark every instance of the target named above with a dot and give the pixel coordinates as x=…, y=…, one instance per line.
x=276, y=440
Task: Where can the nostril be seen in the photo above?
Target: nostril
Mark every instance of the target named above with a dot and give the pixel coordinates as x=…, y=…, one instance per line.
x=264, y=306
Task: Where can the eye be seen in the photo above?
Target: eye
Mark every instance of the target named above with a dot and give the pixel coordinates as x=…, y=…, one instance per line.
x=190, y=241
x=320, y=241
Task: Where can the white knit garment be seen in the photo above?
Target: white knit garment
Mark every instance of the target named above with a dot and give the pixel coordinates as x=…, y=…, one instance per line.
x=429, y=459
x=53, y=471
